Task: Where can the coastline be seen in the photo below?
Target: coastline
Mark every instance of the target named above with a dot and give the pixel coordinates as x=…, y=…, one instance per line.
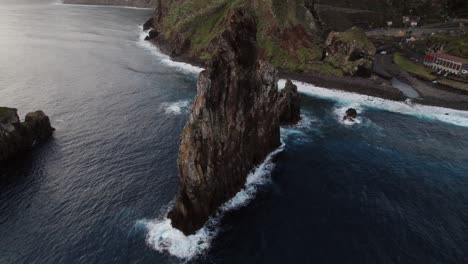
x=375, y=86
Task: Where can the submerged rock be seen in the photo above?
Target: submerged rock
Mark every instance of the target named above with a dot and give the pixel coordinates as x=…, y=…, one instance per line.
x=351, y=51
x=350, y=114
x=16, y=137
x=232, y=126
x=289, y=104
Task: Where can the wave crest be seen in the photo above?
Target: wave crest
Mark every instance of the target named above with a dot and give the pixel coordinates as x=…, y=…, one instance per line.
x=164, y=238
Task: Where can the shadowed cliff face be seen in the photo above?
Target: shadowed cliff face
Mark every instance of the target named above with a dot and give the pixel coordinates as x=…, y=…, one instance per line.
x=233, y=125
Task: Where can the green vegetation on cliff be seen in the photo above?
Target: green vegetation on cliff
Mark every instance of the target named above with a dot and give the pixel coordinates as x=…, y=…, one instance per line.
x=291, y=33
x=454, y=45
x=286, y=33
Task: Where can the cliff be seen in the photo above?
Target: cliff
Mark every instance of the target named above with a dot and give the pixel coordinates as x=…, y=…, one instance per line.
x=16, y=136
x=233, y=125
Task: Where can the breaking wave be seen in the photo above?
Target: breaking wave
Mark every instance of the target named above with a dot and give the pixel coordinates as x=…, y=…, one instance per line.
x=165, y=59
x=451, y=116
x=176, y=108
x=164, y=238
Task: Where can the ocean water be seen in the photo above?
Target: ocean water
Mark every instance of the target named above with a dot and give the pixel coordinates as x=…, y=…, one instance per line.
x=389, y=188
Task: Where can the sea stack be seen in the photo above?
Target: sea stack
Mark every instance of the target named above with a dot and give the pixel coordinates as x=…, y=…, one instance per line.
x=16, y=136
x=233, y=125
x=289, y=104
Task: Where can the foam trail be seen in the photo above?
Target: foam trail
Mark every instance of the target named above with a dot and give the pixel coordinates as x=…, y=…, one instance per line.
x=451, y=116
x=165, y=59
x=164, y=238
x=177, y=108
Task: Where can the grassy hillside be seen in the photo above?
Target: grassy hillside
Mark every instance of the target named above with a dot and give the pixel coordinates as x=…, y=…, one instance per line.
x=287, y=34
x=455, y=45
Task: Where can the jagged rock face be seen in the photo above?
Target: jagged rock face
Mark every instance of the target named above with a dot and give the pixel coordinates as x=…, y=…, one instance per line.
x=11, y=133
x=351, y=51
x=152, y=34
x=289, y=104
x=233, y=126
x=148, y=24
x=16, y=137
x=38, y=125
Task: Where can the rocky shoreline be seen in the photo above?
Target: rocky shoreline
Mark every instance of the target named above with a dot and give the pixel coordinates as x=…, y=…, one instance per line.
x=375, y=86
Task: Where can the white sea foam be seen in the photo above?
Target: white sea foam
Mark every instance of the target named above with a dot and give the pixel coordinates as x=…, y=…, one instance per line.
x=164, y=238
x=177, y=107
x=165, y=59
x=300, y=131
x=451, y=116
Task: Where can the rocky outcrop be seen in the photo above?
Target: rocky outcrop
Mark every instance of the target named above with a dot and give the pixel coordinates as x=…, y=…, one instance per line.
x=16, y=136
x=289, y=104
x=38, y=126
x=148, y=24
x=350, y=114
x=232, y=126
x=351, y=51
x=152, y=34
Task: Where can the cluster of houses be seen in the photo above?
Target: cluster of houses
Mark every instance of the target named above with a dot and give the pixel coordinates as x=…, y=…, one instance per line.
x=444, y=63
x=408, y=21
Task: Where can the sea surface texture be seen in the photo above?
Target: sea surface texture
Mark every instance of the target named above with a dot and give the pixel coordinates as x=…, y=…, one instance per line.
x=390, y=188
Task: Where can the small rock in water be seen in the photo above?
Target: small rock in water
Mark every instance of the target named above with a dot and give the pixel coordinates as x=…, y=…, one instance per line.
x=350, y=115
x=289, y=104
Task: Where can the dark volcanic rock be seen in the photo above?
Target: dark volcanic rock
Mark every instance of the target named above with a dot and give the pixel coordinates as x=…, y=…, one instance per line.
x=289, y=104
x=232, y=126
x=16, y=137
x=350, y=115
x=152, y=34
x=148, y=24
x=38, y=125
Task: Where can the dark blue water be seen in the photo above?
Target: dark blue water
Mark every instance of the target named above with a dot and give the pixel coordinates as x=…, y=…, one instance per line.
x=391, y=189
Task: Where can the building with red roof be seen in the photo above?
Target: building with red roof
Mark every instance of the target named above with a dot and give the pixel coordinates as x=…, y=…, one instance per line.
x=446, y=63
